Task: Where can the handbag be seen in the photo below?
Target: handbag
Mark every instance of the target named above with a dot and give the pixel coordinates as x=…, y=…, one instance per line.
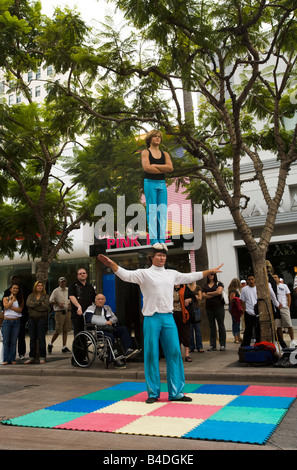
x=225, y=298
x=196, y=315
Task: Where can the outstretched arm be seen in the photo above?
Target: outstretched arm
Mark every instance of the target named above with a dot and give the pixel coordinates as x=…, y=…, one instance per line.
x=213, y=270
x=108, y=262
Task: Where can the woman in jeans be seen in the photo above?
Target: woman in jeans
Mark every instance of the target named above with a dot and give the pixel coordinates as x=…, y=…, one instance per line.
x=156, y=164
x=212, y=293
x=13, y=306
x=37, y=303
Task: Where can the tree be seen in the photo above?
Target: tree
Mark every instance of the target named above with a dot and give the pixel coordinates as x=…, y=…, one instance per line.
x=40, y=206
x=39, y=209
x=239, y=56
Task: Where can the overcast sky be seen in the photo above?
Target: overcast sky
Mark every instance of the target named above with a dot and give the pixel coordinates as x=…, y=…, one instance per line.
x=90, y=9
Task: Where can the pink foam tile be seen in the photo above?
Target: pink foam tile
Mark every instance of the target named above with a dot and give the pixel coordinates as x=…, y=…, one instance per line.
x=267, y=391
x=185, y=410
x=143, y=396
x=98, y=422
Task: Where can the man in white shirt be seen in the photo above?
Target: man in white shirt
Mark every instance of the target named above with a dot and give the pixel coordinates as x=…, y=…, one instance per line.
x=249, y=297
x=157, y=284
x=284, y=297
x=61, y=305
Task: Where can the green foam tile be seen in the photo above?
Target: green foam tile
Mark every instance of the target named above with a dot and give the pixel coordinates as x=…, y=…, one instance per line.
x=249, y=415
x=111, y=395
x=188, y=388
x=43, y=419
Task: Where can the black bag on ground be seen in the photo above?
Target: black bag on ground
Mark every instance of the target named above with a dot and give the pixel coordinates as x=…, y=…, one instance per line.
x=261, y=354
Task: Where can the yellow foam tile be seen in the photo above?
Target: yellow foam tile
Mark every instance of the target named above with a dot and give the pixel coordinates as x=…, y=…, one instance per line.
x=210, y=399
x=131, y=408
x=160, y=426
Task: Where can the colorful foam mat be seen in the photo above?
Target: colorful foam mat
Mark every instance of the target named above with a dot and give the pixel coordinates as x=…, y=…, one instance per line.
x=235, y=413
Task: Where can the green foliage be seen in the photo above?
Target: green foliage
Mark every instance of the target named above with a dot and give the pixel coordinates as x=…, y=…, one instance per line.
x=237, y=57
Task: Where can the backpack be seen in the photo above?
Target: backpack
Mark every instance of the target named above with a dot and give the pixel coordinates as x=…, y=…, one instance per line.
x=261, y=354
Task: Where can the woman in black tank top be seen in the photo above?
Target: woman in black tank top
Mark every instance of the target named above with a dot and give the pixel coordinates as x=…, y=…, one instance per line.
x=156, y=164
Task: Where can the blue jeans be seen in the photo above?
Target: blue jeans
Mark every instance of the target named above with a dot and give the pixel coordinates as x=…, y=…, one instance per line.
x=196, y=337
x=155, y=192
x=161, y=327
x=10, y=332
x=235, y=327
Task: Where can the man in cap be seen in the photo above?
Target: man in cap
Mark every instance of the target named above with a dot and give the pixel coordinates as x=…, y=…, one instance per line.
x=61, y=305
x=157, y=284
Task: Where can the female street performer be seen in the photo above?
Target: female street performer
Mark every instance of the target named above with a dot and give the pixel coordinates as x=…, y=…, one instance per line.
x=155, y=164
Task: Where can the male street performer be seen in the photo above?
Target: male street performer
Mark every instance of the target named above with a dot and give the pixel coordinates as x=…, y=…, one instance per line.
x=157, y=284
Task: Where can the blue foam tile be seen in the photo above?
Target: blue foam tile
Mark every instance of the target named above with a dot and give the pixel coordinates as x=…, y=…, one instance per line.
x=262, y=402
x=221, y=389
x=80, y=405
x=251, y=433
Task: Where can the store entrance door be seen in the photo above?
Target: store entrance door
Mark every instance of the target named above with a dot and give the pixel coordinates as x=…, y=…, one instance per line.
x=128, y=308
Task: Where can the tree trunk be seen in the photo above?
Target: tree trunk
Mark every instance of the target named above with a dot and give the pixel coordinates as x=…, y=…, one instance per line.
x=266, y=317
x=42, y=271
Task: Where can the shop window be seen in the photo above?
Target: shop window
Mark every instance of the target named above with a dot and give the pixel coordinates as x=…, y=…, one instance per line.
x=293, y=196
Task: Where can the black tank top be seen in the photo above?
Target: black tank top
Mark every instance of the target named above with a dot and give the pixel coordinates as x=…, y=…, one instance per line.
x=157, y=161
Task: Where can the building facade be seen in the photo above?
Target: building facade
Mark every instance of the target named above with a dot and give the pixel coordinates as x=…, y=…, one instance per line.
x=223, y=242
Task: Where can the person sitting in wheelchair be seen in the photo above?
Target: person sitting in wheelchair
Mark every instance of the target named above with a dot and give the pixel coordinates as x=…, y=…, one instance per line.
x=102, y=316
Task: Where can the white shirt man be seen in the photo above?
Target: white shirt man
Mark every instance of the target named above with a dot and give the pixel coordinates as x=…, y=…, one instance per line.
x=61, y=305
x=249, y=297
x=284, y=296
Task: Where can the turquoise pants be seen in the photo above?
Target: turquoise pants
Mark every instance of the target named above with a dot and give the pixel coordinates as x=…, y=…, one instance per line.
x=161, y=326
x=155, y=192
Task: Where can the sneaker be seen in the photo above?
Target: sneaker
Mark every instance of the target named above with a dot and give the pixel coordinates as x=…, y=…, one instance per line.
x=222, y=348
x=21, y=357
x=211, y=348
x=158, y=246
x=66, y=350
x=119, y=365
x=49, y=348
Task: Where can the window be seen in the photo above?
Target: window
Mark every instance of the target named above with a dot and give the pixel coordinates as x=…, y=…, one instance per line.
x=37, y=91
x=38, y=74
x=10, y=100
x=30, y=76
x=19, y=98
x=49, y=70
x=293, y=196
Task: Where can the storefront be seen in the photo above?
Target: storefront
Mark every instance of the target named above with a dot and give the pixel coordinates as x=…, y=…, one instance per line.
x=283, y=257
x=125, y=298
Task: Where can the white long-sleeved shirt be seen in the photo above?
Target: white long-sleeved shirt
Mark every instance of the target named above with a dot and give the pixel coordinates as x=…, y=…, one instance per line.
x=157, y=286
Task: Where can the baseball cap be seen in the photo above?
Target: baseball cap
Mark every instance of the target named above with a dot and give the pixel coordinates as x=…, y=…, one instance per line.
x=62, y=279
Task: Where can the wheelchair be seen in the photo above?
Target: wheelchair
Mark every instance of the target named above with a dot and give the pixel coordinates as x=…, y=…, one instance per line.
x=91, y=344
